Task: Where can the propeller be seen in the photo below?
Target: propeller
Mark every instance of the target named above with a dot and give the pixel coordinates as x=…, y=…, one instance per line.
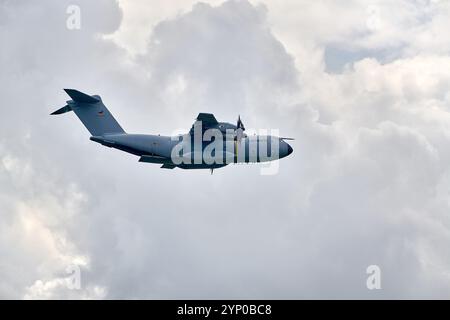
x=240, y=125
x=239, y=129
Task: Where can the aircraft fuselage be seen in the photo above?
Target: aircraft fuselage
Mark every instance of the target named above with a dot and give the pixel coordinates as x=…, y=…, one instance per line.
x=160, y=149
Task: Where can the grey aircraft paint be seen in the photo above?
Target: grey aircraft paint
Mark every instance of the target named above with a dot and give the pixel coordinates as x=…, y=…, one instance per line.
x=237, y=147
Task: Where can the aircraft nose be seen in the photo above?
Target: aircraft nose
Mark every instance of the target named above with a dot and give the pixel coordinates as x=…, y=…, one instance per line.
x=289, y=149
x=285, y=149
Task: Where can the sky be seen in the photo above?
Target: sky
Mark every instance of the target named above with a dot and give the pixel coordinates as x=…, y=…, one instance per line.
x=362, y=86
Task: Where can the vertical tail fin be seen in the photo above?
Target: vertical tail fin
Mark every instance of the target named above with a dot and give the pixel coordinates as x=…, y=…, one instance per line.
x=92, y=112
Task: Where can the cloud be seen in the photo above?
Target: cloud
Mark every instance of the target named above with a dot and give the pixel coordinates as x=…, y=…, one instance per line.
x=223, y=54
x=367, y=182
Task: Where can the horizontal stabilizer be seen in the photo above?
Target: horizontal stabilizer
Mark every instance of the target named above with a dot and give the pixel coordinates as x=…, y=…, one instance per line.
x=168, y=166
x=64, y=109
x=78, y=96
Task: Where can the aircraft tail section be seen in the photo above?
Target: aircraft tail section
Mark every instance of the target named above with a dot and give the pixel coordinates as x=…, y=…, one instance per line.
x=92, y=112
x=81, y=97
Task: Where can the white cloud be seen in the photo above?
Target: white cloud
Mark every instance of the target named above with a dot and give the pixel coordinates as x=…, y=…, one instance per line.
x=58, y=289
x=367, y=182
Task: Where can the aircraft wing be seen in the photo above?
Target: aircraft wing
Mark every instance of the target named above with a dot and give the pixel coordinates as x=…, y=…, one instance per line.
x=208, y=120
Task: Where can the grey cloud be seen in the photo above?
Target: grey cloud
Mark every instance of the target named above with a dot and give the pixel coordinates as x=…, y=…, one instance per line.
x=223, y=54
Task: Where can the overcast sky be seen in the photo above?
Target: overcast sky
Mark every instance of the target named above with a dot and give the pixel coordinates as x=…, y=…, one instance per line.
x=363, y=87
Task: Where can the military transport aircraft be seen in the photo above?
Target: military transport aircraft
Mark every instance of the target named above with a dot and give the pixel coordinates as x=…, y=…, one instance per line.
x=208, y=145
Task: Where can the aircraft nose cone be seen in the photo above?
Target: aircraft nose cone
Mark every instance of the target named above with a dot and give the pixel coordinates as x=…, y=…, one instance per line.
x=289, y=149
